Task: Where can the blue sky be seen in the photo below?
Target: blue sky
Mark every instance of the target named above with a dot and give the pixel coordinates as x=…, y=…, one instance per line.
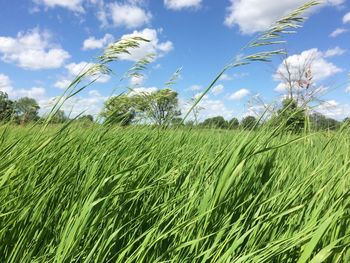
x=45, y=43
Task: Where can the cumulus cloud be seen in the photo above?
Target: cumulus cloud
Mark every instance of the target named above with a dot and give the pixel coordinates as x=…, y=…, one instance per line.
x=182, y=4
x=337, y=51
x=92, y=103
x=347, y=90
x=208, y=108
x=155, y=46
x=128, y=14
x=225, y=77
x=218, y=89
x=239, y=95
x=137, y=80
x=334, y=109
x=142, y=91
x=338, y=32
x=73, y=5
x=63, y=83
x=75, y=69
x=6, y=86
x=212, y=108
x=346, y=18
x=257, y=15
x=32, y=50
x=94, y=43
x=283, y=88
x=321, y=68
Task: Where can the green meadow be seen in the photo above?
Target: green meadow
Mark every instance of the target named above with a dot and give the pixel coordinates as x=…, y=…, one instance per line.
x=274, y=189
x=99, y=194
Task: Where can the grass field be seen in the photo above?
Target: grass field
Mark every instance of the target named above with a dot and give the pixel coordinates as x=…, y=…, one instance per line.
x=95, y=194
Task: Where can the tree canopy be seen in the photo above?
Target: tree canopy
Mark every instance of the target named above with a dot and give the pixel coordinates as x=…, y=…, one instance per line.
x=233, y=124
x=6, y=107
x=27, y=109
x=292, y=114
x=158, y=107
x=249, y=122
x=217, y=122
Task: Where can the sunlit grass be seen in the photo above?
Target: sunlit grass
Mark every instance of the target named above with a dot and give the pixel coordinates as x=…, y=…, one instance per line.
x=142, y=195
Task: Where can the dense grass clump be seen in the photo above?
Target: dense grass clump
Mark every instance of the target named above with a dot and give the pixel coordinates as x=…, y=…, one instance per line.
x=103, y=194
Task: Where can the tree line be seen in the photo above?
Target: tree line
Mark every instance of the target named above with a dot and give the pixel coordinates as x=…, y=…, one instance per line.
x=26, y=110
x=161, y=108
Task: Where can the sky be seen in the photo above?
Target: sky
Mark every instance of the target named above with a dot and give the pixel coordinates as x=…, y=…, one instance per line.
x=44, y=44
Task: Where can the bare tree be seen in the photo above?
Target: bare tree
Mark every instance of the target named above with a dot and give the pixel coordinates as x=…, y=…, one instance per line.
x=297, y=78
x=196, y=110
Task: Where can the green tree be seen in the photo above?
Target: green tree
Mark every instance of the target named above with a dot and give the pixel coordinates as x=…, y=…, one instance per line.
x=292, y=114
x=86, y=118
x=57, y=118
x=120, y=110
x=321, y=122
x=217, y=122
x=27, y=110
x=233, y=123
x=6, y=107
x=249, y=123
x=176, y=121
x=160, y=107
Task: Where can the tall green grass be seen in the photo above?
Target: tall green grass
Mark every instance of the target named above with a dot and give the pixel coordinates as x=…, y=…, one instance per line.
x=142, y=195
x=104, y=194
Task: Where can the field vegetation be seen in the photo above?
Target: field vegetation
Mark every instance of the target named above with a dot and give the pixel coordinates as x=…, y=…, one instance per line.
x=144, y=195
x=144, y=183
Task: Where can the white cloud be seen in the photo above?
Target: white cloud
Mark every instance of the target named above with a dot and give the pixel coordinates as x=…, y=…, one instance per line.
x=334, y=109
x=75, y=69
x=63, y=83
x=94, y=43
x=35, y=92
x=281, y=87
x=257, y=15
x=196, y=87
x=154, y=46
x=320, y=68
x=225, y=77
x=338, y=32
x=142, y=91
x=199, y=94
x=128, y=15
x=208, y=108
x=73, y=5
x=337, y=51
x=346, y=18
x=5, y=83
x=212, y=108
x=181, y=4
x=217, y=89
x=255, y=111
x=32, y=50
x=6, y=86
x=240, y=94
x=137, y=80
x=347, y=90
x=92, y=104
